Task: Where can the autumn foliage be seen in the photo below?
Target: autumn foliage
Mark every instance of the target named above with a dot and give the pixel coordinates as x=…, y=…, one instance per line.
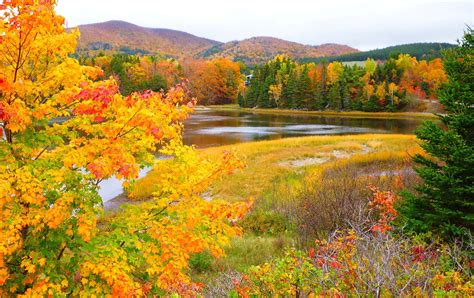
x=214, y=82
x=64, y=131
x=365, y=260
x=374, y=86
x=257, y=50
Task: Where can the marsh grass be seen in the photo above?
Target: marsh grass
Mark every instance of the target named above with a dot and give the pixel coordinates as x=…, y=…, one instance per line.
x=334, y=194
x=351, y=114
x=265, y=160
x=296, y=204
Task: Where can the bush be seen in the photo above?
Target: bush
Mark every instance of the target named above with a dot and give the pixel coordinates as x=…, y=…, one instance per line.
x=366, y=260
x=412, y=103
x=201, y=262
x=336, y=193
x=265, y=222
x=360, y=263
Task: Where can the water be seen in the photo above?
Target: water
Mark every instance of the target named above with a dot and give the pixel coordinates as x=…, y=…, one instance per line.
x=208, y=128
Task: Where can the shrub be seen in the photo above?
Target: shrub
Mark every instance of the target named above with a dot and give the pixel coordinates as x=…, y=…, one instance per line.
x=265, y=222
x=336, y=193
x=201, y=262
x=365, y=261
x=414, y=104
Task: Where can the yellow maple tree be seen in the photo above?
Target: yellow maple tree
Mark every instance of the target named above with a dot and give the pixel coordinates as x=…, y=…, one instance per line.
x=63, y=132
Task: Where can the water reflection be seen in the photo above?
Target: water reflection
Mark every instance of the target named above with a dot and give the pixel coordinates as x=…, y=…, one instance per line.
x=207, y=128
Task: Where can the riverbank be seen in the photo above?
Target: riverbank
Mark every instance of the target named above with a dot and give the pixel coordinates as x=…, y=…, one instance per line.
x=351, y=114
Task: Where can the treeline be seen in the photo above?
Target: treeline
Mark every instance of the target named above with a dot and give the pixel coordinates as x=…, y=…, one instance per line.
x=429, y=50
x=210, y=81
x=284, y=83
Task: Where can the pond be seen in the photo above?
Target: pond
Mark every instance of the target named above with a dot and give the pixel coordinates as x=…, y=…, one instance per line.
x=209, y=128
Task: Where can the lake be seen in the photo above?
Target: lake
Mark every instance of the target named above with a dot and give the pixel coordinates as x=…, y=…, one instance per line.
x=209, y=128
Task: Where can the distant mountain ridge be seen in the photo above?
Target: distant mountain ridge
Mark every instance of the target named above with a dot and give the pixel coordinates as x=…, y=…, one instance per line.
x=422, y=50
x=115, y=35
x=263, y=48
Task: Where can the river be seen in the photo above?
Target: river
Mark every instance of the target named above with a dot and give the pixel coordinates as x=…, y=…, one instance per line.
x=209, y=128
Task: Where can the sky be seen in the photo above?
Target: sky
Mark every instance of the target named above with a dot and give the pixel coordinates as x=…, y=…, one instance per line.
x=363, y=24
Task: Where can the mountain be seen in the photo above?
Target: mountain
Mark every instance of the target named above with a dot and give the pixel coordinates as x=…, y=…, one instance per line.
x=257, y=50
x=116, y=35
x=418, y=50
x=130, y=38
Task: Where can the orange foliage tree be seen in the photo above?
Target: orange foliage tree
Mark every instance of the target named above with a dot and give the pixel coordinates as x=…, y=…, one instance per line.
x=64, y=132
x=213, y=82
x=421, y=78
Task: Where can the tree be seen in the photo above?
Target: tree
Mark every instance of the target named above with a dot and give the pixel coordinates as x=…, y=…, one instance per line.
x=392, y=88
x=290, y=91
x=213, y=82
x=304, y=91
x=334, y=71
x=335, y=97
x=445, y=200
x=251, y=95
x=240, y=100
x=275, y=93
x=370, y=66
x=64, y=132
x=381, y=93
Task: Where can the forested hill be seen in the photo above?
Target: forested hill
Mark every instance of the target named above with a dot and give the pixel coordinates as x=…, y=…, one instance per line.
x=119, y=36
x=258, y=50
x=418, y=50
x=129, y=38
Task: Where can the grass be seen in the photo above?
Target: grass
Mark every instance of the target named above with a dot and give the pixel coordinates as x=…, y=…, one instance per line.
x=279, y=187
x=244, y=252
x=351, y=114
x=268, y=160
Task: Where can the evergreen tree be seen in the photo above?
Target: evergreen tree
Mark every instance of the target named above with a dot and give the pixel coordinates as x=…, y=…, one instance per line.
x=262, y=97
x=240, y=100
x=303, y=89
x=289, y=91
x=334, y=96
x=253, y=89
x=264, y=100
x=317, y=102
x=444, y=202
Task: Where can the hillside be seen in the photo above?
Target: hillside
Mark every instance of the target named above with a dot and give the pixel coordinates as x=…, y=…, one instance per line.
x=130, y=38
x=115, y=35
x=258, y=50
x=418, y=50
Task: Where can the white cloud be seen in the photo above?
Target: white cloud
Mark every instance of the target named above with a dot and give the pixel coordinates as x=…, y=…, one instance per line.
x=363, y=24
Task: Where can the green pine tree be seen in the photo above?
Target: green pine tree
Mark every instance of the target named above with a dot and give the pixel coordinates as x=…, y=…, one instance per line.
x=252, y=92
x=334, y=97
x=289, y=90
x=320, y=93
x=444, y=202
x=240, y=100
x=304, y=91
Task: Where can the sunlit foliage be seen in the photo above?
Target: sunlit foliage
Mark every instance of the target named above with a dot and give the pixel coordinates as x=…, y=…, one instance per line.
x=63, y=132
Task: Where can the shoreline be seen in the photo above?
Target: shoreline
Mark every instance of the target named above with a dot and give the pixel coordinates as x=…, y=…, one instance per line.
x=351, y=114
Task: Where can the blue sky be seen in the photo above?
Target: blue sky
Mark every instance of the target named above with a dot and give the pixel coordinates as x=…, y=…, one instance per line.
x=363, y=24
